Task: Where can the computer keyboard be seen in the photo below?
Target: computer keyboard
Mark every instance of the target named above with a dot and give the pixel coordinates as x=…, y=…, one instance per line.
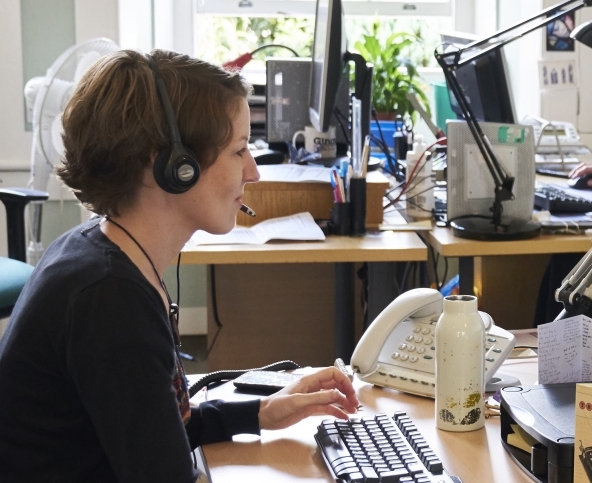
x=556, y=201
x=379, y=449
x=555, y=173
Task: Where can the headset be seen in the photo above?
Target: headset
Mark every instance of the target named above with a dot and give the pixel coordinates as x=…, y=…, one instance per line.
x=176, y=168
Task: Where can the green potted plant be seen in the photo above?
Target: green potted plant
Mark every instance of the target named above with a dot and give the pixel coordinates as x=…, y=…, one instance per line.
x=394, y=74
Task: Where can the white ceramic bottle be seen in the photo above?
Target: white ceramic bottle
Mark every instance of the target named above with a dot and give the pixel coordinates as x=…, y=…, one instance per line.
x=460, y=365
x=420, y=192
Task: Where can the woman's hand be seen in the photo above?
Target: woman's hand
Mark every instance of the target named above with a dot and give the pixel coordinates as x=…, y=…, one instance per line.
x=581, y=170
x=327, y=391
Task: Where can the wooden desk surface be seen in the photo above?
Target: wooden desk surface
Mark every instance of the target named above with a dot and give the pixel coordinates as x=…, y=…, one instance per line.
x=448, y=245
x=291, y=455
x=379, y=247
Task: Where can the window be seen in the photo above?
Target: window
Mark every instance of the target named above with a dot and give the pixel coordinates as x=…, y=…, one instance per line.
x=225, y=29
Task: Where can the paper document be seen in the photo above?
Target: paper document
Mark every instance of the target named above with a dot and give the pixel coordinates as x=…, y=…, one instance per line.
x=294, y=173
x=299, y=227
x=565, y=350
x=527, y=344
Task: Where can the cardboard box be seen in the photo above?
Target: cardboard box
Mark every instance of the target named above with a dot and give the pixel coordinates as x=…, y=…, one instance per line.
x=275, y=199
x=583, y=436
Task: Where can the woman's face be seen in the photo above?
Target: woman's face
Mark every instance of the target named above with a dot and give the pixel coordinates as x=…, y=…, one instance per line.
x=216, y=198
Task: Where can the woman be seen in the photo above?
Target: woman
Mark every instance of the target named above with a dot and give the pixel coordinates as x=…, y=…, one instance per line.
x=91, y=385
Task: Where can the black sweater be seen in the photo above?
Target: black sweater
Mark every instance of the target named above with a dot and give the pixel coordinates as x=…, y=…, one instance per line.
x=86, y=368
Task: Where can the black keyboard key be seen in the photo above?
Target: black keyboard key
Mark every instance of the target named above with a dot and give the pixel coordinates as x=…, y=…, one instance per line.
x=370, y=475
x=335, y=449
x=414, y=468
x=393, y=476
x=434, y=466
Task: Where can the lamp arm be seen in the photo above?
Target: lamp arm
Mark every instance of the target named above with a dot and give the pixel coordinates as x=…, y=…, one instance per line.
x=502, y=180
x=501, y=43
x=575, y=285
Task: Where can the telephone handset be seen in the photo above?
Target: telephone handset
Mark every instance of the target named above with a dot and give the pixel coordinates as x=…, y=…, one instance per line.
x=398, y=349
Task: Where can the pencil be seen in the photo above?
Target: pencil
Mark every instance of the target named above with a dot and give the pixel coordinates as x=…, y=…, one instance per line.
x=245, y=209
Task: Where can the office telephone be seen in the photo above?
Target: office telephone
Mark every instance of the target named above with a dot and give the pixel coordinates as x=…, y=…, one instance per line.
x=548, y=134
x=398, y=349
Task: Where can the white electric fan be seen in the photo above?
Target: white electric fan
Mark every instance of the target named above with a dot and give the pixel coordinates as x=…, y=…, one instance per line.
x=48, y=96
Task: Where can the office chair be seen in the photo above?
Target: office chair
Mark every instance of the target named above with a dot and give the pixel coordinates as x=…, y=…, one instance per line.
x=14, y=270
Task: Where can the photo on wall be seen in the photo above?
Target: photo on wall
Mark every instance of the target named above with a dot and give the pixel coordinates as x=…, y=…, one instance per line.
x=558, y=39
x=555, y=74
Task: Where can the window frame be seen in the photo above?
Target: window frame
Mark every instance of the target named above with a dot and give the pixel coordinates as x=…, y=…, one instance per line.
x=391, y=8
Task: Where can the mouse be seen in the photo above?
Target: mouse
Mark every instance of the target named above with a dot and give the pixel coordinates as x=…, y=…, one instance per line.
x=583, y=182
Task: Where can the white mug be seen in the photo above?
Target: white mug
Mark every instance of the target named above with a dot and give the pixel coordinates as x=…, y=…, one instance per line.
x=324, y=143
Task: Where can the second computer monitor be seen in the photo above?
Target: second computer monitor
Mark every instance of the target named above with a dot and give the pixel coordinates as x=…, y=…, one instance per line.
x=485, y=83
x=328, y=56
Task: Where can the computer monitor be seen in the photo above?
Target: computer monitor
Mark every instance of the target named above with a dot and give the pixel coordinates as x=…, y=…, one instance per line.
x=485, y=82
x=328, y=62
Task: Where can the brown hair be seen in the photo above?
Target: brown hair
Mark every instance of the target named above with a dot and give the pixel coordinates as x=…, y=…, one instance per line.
x=114, y=122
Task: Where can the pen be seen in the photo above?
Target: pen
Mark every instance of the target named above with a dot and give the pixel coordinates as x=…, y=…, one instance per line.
x=356, y=137
x=245, y=209
x=365, y=156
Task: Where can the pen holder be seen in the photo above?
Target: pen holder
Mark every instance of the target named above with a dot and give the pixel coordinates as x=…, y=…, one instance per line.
x=340, y=218
x=357, y=198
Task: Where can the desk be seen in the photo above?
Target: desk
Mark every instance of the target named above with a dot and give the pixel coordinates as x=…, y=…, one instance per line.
x=379, y=249
x=505, y=268
x=291, y=455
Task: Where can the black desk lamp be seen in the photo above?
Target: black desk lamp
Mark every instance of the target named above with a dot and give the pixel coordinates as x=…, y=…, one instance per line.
x=498, y=228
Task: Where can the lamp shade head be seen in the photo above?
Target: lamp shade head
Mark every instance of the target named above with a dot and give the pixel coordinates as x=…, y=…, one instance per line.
x=583, y=33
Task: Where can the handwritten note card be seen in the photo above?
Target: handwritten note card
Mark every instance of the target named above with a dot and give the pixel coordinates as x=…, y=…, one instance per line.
x=565, y=350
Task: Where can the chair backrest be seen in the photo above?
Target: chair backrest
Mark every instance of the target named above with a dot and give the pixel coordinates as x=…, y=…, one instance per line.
x=15, y=200
x=14, y=270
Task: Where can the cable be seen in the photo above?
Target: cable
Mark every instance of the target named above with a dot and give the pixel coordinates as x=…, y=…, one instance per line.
x=217, y=376
x=178, y=281
x=405, y=274
x=340, y=118
x=410, y=177
x=393, y=169
x=184, y=355
x=214, y=308
x=244, y=59
x=275, y=45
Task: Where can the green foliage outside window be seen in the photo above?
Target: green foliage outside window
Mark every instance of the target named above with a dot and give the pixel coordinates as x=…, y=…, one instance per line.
x=404, y=45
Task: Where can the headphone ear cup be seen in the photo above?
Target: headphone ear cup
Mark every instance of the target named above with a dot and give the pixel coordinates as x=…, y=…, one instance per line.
x=176, y=169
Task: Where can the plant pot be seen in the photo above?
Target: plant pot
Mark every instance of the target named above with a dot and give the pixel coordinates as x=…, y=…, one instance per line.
x=386, y=116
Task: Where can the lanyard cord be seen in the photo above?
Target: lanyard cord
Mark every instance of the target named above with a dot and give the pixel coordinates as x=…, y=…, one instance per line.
x=173, y=308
